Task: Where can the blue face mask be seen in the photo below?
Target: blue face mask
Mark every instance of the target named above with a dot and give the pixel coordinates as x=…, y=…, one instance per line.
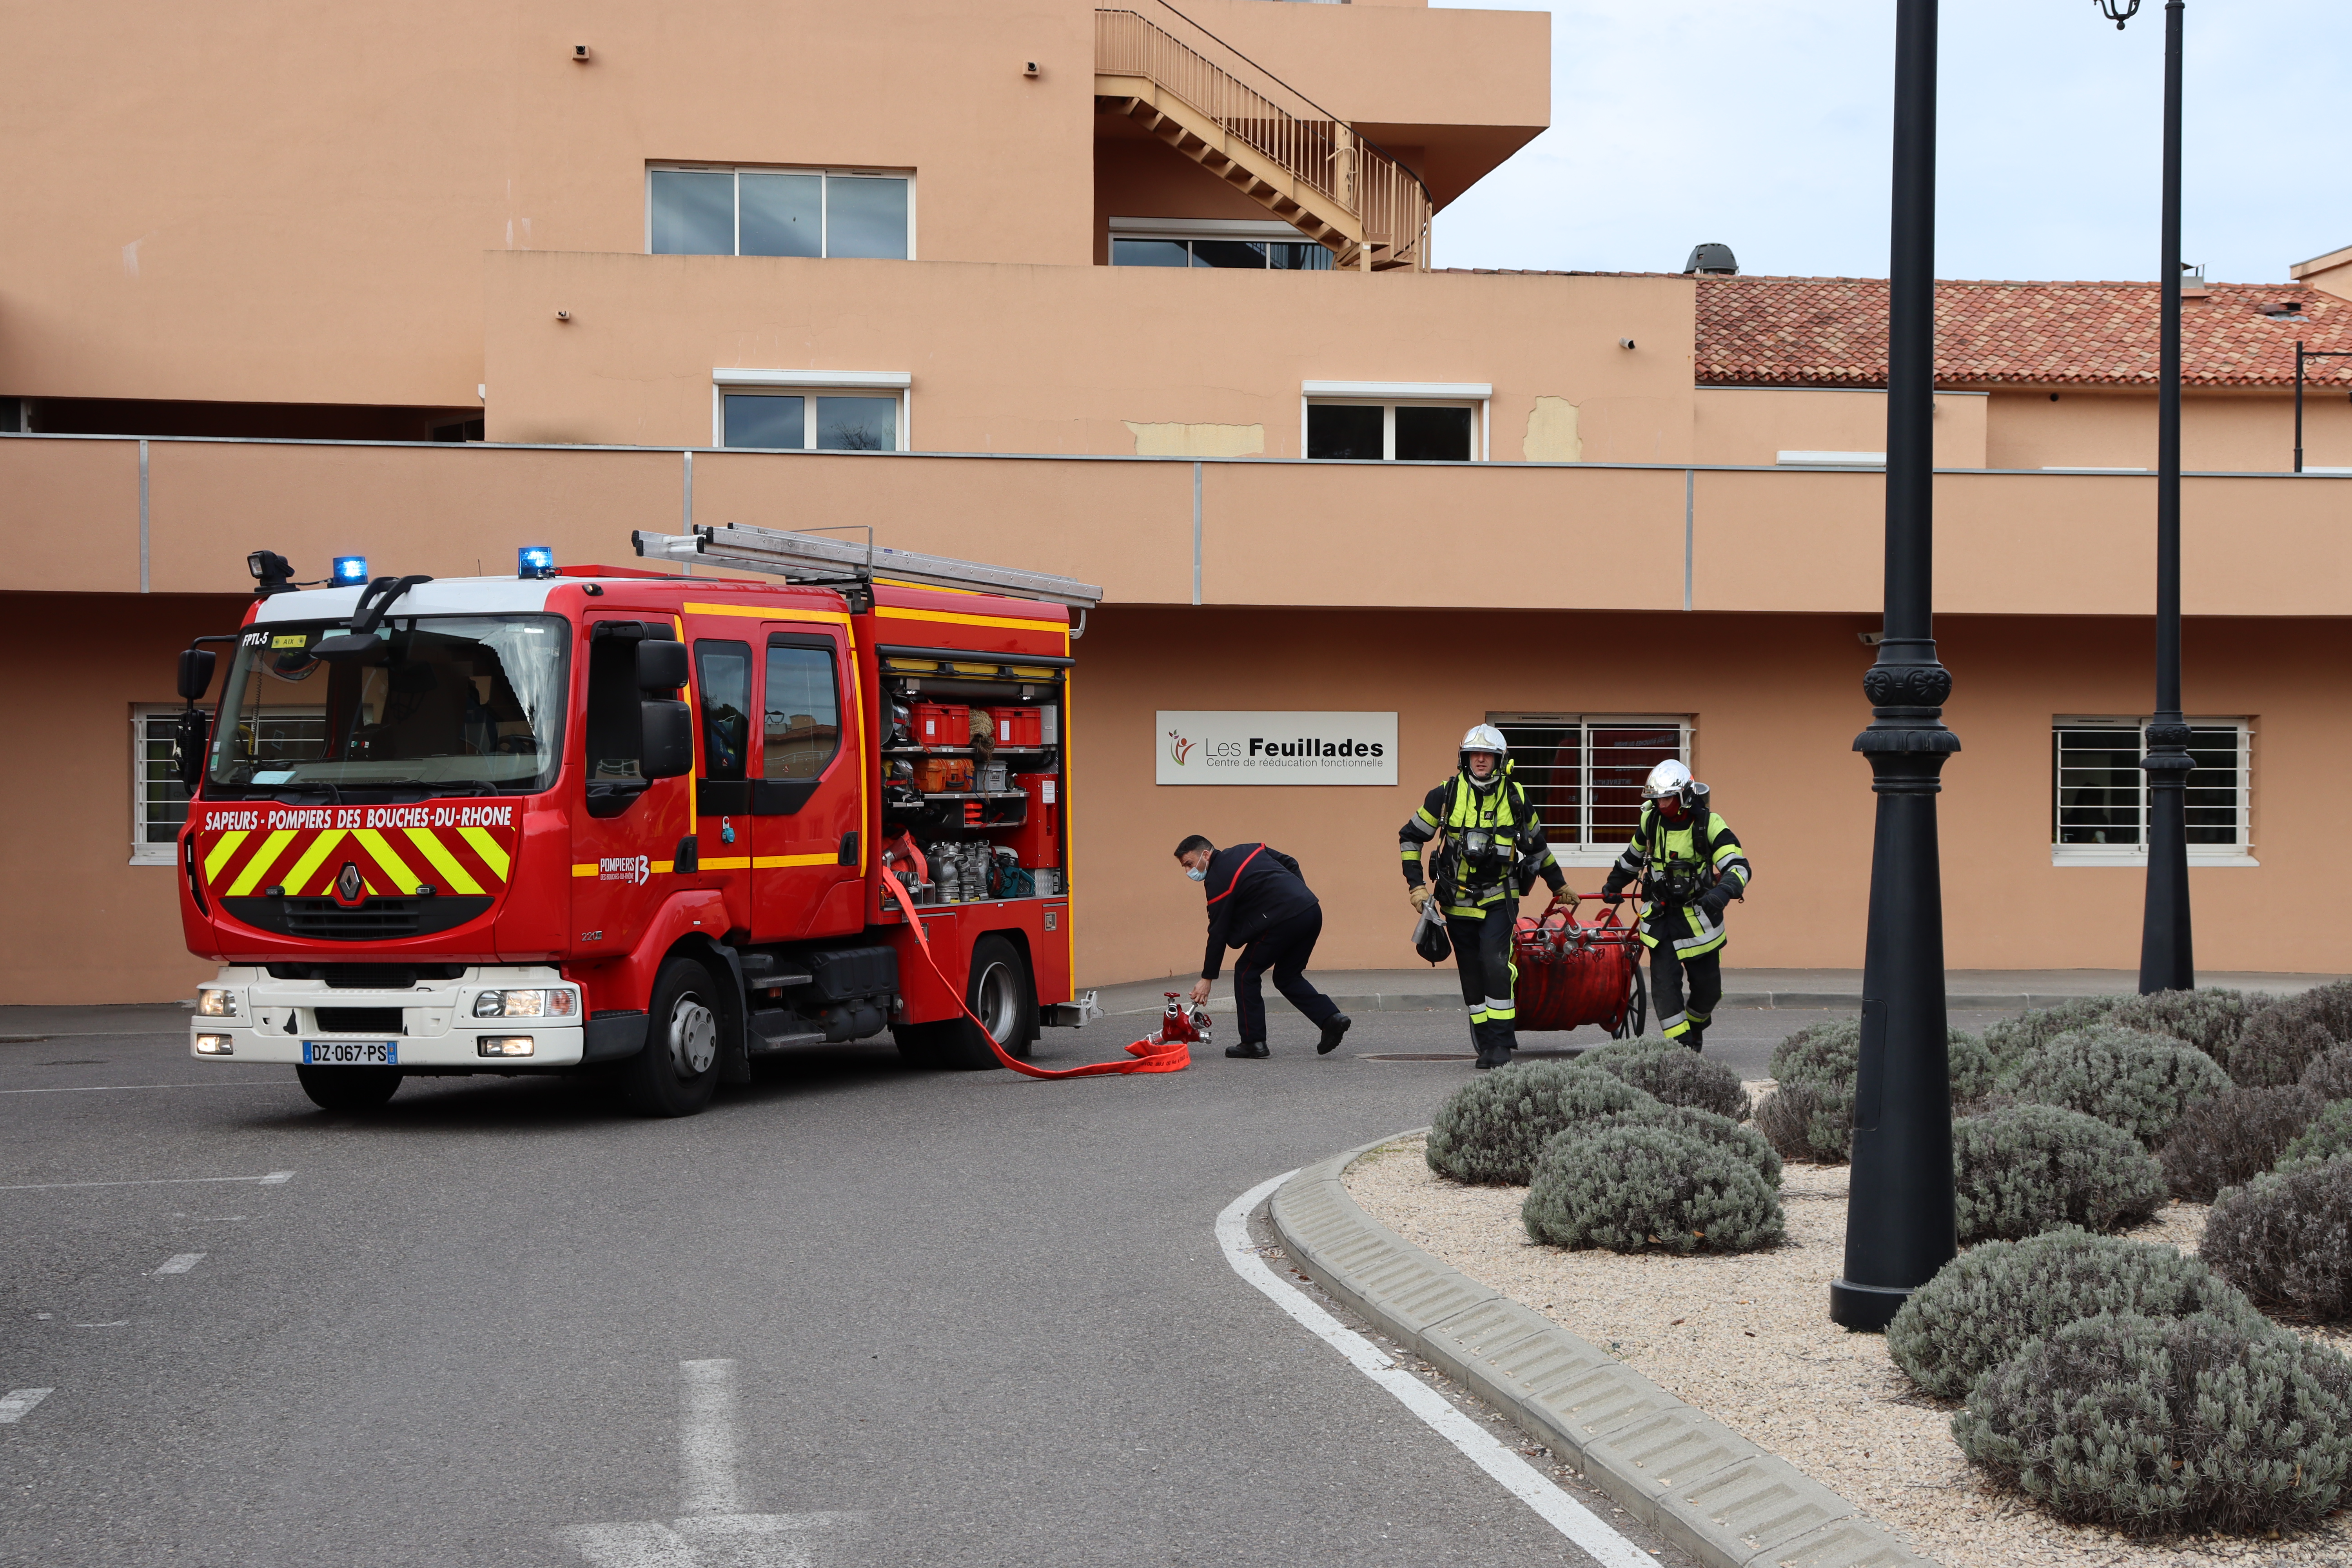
x=1198, y=873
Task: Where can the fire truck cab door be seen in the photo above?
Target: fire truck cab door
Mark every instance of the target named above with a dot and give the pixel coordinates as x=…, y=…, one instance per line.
x=626, y=830
x=807, y=800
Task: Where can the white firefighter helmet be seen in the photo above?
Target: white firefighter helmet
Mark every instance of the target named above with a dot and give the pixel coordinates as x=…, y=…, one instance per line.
x=1669, y=778
x=1484, y=738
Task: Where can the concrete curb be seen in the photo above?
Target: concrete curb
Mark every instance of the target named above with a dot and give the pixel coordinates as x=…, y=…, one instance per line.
x=1834, y=1001
x=1688, y=1477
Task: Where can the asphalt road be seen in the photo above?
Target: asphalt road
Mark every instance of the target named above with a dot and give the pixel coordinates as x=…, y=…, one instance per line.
x=972, y=1319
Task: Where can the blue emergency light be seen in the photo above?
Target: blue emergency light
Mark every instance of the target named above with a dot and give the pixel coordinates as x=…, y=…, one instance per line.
x=534, y=560
x=350, y=569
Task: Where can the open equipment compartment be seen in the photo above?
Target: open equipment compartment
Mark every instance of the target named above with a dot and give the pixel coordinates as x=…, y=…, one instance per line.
x=972, y=768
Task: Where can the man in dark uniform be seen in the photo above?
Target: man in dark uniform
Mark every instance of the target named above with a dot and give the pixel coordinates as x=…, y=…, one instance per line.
x=1259, y=903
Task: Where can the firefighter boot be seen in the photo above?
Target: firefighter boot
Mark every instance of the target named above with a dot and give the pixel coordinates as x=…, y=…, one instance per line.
x=1697, y=1036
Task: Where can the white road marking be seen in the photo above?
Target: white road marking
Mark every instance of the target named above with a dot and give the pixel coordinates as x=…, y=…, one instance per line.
x=17, y=1400
x=109, y=1088
x=181, y=1262
x=705, y=1437
x=715, y=1532
x=1521, y=1480
x=275, y=1178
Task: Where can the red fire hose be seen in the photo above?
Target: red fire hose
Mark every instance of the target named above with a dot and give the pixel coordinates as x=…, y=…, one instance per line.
x=1162, y=1055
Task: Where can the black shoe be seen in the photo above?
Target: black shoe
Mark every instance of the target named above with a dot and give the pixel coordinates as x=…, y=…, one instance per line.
x=1333, y=1028
x=1696, y=1039
x=1252, y=1049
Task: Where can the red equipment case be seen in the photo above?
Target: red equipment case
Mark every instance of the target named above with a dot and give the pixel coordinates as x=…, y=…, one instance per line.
x=940, y=724
x=1019, y=727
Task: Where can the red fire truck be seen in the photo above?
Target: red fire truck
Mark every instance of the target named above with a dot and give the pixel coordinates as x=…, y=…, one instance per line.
x=632, y=821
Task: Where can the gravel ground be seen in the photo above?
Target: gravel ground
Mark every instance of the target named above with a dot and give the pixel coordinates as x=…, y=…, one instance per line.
x=1748, y=1339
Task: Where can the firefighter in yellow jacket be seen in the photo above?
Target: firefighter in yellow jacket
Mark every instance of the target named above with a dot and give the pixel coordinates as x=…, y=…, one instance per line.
x=1493, y=850
x=1691, y=867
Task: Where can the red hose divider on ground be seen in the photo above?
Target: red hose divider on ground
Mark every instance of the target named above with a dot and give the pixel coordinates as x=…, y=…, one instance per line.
x=1149, y=1056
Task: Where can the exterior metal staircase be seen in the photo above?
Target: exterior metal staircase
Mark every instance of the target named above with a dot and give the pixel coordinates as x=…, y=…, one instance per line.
x=1305, y=166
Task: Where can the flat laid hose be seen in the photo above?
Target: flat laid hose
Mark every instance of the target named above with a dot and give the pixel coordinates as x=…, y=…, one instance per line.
x=1162, y=1055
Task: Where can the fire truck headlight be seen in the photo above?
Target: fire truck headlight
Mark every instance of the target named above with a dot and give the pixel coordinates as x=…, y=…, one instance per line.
x=505, y=1045
x=561, y=1002
x=215, y=1046
x=211, y=1002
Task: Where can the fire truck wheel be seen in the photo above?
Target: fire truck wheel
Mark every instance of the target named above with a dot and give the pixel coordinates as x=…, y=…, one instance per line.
x=348, y=1089
x=677, y=1071
x=1000, y=992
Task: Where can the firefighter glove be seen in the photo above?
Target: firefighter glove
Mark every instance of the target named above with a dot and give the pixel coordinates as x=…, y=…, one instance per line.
x=1716, y=900
x=1419, y=895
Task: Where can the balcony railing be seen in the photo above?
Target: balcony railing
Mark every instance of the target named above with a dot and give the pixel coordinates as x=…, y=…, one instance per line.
x=1341, y=190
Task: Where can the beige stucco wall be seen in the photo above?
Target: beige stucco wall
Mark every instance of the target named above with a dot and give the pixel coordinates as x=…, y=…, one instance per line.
x=1776, y=700
x=308, y=190
x=2243, y=431
x=287, y=205
x=1270, y=533
x=1038, y=359
x=1756, y=424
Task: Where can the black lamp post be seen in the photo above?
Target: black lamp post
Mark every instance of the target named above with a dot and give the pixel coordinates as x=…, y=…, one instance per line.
x=2302, y=354
x=2167, y=960
x=1899, y=1221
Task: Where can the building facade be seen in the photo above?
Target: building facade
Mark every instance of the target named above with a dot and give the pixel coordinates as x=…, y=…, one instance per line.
x=1147, y=298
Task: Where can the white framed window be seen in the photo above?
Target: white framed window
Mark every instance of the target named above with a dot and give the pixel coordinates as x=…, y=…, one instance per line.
x=810, y=410
x=1395, y=421
x=1583, y=773
x=721, y=209
x=1250, y=246
x=159, y=807
x=2098, y=794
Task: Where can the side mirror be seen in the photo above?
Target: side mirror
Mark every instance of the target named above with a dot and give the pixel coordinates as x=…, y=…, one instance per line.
x=661, y=667
x=196, y=672
x=667, y=749
x=190, y=733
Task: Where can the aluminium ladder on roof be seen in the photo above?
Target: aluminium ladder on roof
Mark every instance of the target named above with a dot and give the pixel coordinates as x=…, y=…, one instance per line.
x=779, y=553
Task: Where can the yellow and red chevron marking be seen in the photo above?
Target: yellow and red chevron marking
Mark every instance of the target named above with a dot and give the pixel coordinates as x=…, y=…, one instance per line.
x=456, y=848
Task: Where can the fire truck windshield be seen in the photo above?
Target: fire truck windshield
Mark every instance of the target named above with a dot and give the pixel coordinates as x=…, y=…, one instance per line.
x=439, y=705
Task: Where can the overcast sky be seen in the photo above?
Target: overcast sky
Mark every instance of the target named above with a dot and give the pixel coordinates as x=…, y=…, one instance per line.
x=1764, y=124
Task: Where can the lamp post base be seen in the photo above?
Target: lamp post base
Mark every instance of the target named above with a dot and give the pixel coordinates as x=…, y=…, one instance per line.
x=1866, y=1308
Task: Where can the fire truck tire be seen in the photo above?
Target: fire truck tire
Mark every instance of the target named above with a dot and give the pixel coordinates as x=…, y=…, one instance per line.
x=1000, y=992
x=677, y=1071
x=348, y=1089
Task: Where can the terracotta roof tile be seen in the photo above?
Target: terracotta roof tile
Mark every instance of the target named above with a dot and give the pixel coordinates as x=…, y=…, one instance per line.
x=1831, y=331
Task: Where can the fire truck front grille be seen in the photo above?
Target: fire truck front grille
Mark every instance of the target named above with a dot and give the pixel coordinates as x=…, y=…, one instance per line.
x=378, y=920
x=359, y=1020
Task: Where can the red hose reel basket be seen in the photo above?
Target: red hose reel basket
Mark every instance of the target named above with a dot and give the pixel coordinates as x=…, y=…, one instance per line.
x=1573, y=971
